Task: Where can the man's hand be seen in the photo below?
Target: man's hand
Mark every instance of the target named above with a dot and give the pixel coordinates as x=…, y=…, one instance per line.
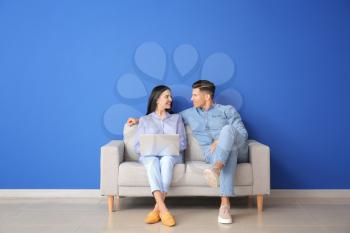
x=213, y=146
x=132, y=121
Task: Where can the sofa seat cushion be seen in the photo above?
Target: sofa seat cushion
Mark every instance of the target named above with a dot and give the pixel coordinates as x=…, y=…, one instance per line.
x=194, y=174
x=133, y=173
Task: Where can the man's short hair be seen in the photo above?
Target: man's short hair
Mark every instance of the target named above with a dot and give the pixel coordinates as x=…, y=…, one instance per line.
x=205, y=85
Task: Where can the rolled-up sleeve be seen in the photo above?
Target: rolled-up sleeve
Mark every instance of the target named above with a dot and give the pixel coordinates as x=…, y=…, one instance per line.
x=181, y=131
x=140, y=130
x=236, y=123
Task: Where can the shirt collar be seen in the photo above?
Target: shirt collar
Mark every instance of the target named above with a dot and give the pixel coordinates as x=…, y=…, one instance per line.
x=154, y=115
x=210, y=108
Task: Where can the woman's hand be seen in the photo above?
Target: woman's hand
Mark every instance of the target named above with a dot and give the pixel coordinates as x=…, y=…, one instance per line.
x=132, y=121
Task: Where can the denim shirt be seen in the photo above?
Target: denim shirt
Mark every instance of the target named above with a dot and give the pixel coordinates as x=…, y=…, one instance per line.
x=206, y=125
x=153, y=124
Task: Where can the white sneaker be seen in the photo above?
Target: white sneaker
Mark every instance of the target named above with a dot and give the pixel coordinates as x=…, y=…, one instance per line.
x=224, y=215
x=211, y=176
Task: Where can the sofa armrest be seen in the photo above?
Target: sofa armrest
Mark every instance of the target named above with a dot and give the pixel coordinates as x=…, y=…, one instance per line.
x=112, y=154
x=259, y=157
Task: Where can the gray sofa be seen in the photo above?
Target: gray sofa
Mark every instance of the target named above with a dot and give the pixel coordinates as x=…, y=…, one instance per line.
x=123, y=175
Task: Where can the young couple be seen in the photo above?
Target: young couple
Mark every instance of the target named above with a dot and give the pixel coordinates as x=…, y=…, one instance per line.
x=219, y=131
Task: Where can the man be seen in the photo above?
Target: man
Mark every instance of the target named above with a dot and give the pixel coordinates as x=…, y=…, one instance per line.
x=222, y=136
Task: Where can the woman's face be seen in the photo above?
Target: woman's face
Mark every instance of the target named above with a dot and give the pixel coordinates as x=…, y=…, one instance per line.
x=164, y=100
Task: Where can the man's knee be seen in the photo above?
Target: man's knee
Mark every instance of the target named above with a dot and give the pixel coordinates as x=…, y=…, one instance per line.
x=227, y=129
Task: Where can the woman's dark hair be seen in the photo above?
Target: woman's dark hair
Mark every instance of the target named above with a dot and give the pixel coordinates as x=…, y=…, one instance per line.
x=152, y=100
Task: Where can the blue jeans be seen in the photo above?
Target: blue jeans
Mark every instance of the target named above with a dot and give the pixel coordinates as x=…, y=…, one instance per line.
x=227, y=153
x=160, y=170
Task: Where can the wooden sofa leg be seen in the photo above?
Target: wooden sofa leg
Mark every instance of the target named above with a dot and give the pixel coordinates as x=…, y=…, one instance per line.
x=118, y=203
x=250, y=201
x=260, y=202
x=110, y=204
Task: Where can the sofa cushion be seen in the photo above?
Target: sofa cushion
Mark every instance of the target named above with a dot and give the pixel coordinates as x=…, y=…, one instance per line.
x=194, y=174
x=133, y=173
x=129, y=136
x=193, y=151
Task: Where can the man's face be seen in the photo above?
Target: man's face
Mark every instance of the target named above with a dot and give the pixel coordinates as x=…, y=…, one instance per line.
x=199, y=98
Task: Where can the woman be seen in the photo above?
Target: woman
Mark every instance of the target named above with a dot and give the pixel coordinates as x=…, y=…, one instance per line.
x=159, y=120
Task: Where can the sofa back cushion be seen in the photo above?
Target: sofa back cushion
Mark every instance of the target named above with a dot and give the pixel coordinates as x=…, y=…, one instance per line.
x=129, y=137
x=192, y=153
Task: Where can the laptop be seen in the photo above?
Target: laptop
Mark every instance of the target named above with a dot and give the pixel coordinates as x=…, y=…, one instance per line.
x=159, y=144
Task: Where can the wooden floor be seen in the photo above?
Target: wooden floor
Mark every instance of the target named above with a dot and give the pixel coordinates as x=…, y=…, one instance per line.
x=68, y=215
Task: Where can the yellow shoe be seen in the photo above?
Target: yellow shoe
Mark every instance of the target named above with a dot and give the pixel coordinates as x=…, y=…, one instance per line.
x=152, y=217
x=167, y=219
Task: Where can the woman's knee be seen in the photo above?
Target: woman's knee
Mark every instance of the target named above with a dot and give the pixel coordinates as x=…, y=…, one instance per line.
x=149, y=161
x=168, y=159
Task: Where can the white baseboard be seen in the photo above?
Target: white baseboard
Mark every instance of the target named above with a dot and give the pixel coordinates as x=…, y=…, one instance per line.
x=50, y=193
x=95, y=193
x=310, y=193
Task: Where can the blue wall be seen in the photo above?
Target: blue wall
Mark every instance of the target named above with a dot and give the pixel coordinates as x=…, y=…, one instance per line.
x=60, y=60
